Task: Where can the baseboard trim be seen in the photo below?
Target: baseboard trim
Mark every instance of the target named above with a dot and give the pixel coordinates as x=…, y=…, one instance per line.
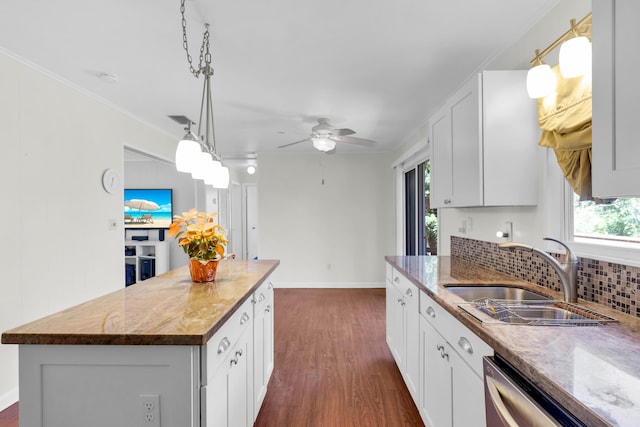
x=330, y=285
x=9, y=398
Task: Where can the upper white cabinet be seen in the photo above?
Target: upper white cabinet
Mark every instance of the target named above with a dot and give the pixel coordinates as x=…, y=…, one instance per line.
x=484, y=144
x=616, y=88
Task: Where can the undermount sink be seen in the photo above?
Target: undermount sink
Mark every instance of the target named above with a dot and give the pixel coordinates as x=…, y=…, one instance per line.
x=501, y=292
x=515, y=305
x=543, y=313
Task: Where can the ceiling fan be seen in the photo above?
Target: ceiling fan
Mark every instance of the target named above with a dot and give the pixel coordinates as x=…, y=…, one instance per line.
x=324, y=137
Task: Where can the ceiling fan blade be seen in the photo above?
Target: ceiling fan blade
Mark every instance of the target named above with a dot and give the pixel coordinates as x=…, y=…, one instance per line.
x=342, y=132
x=354, y=140
x=294, y=143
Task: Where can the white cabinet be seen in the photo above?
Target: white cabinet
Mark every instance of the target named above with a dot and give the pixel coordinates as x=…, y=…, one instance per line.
x=227, y=373
x=451, y=385
x=403, y=328
x=263, y=349
x=616, y=88
x=145, y=259
x=483, y=137
x=435, y=378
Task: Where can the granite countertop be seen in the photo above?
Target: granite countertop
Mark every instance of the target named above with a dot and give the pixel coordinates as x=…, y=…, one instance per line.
x=593, y=371
x=165, y=310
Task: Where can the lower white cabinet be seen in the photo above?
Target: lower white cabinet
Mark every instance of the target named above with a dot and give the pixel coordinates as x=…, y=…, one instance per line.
x=227, y=389
x=238, y=363
x=451, y=384
x=263, y=349
x=402, y=328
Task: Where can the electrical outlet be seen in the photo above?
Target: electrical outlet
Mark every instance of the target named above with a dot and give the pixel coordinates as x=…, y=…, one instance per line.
x=149, y=410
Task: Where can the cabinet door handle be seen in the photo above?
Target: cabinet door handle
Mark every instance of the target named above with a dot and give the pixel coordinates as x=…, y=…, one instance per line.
x=239, y=353
x=409, y=292
x=245, y=317
x=464, y=344
x=431, y=312
x=233, y=361
x=442, y=352
x=224, y=345
x=267, y=309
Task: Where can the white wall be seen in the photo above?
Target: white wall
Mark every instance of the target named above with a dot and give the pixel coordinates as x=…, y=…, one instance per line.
x=57, y=249
x=328, y=218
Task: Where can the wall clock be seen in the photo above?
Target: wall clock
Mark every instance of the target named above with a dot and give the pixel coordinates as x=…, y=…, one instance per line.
x=111, y=181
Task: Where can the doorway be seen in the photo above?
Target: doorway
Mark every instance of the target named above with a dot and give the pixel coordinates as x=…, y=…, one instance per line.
x=421, y=222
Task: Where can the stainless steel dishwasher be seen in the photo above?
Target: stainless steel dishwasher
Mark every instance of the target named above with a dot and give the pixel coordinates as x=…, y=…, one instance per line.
x=512, y=400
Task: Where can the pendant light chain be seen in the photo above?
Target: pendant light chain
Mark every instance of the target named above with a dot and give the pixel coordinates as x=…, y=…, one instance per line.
x=205, y=57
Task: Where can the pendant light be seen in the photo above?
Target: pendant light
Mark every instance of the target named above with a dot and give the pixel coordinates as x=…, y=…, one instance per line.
x=198, y=155
x=187, y=151
x=574, y=59
x=541, y=80
x=575, y=55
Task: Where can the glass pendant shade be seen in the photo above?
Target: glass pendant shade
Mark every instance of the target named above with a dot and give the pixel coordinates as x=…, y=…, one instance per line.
x=575, y=57
x=186, y=153
x=223, y=178
x=323, y=144
x=541, y=81
x=211, y=174
x=202, y=165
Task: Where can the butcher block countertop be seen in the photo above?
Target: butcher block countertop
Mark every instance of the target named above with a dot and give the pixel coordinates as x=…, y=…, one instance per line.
x=593, y=371
x=165, y=310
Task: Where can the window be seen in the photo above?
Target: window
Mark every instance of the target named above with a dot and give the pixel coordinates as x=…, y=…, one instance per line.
x=608, y=232
x=617, y=220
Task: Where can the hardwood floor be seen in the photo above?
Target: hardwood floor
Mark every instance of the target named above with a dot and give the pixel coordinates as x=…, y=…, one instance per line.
x=332, y=364
x=9, y=417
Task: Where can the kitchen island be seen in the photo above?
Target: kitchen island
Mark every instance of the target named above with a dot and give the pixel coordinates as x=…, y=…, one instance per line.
x=161, y=352
x=593, y=371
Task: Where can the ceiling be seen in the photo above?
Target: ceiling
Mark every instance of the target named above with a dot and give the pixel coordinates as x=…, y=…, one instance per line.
x=377, y=67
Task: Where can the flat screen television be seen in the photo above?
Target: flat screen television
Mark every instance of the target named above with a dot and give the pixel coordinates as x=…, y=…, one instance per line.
x=148, y=208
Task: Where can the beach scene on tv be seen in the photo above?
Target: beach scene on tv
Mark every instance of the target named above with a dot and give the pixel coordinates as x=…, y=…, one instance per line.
x=147, y=208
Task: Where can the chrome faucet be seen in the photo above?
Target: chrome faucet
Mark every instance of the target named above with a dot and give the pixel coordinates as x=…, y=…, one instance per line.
x=567, y=270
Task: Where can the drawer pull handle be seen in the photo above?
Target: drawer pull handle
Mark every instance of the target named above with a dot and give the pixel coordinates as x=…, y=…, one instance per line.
x=409, y=293
x=261, y=298
x=396, y=279
x=447, y=201
x=267, y=309
x=465, y=345
x=233, y=361
x=270, y=285
x=431, y=312
x=239, y=353
x=224, y=345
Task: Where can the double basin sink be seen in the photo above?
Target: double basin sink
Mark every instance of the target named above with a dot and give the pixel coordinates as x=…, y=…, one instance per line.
x=515, y=305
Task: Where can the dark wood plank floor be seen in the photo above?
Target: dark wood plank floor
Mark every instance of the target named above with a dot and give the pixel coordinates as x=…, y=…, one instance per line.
x=9, y=417
x=332, y=364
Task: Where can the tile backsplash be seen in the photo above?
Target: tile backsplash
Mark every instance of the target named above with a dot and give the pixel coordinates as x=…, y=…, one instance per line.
x=614, y=285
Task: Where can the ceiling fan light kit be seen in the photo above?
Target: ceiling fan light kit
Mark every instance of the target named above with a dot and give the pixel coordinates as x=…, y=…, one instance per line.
x=324, y=137
x=195, y=155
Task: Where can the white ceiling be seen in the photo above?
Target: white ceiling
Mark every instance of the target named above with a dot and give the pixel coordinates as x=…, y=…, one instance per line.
x=379, y=67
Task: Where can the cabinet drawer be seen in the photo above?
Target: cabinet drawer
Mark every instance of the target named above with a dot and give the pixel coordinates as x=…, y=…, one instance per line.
x=221, y=344
x=467, y=344
x=262, y=297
